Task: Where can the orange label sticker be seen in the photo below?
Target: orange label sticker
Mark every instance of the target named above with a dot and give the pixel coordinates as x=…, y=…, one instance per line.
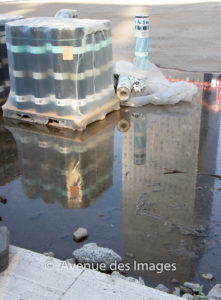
x=67, y=52
x=75, y=191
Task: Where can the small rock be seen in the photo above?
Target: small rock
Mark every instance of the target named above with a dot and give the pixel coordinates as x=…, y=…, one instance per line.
x=215, y=292
x=3, y=200
x=131, y=279
x=129, y=255
x=118, y=275
x=95, y=255
x=50, y=254
x=80, y=234
x=207, y=276
x=162, y=288
x=71, y=260
x=194, y=255
x=142, y=282
x=103, y=215
x=4, y=248
x=175, y=281
x=185, y=290
x=176, y=291
x=188, y=296
x=193, y=286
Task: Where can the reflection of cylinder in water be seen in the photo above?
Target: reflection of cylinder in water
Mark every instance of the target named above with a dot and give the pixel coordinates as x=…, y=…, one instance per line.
x=139, y=123
x=124, y=87
x=141, y=41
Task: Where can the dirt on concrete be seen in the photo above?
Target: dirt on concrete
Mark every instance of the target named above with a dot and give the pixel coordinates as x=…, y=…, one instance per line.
x=183, y=36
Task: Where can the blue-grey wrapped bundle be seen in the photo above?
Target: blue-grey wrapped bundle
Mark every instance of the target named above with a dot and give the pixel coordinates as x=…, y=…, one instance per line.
x=61, y=71
x=4, y=71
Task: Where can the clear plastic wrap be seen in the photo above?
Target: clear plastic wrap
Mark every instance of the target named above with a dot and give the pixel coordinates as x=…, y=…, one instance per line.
x=66, y=13
x=60, y=71
x=157, y=89
x=4, y=73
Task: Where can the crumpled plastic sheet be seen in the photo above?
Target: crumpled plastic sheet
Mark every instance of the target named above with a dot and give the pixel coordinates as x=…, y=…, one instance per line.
x=157, y=89
x=66, y=13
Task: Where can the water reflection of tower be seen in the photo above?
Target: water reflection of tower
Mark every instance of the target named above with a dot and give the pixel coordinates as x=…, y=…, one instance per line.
x=208, y=145
x=209, y=134
x=9, y=168
x=159, y=207
x=66, y=167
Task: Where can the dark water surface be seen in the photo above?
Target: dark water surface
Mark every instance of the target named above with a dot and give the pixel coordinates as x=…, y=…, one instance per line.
x=140, y=181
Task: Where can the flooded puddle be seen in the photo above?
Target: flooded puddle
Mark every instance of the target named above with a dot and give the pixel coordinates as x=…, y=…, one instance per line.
x=144, y=182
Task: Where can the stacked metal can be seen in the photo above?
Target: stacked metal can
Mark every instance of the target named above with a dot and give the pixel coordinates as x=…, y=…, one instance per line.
x=60, y=67
x=125, y=82
x=141, y=42
x=4, y=72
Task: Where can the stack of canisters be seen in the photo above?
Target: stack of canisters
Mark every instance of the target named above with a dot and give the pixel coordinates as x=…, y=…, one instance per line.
x=125, y=82
x=4, y=73
x=141, y=42
x=61, y=71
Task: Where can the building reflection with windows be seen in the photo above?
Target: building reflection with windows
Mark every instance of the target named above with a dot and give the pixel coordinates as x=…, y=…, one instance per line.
x=163, y=220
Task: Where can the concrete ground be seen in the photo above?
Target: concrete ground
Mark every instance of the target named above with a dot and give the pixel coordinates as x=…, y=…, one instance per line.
x=34, y=276
x=185, y=36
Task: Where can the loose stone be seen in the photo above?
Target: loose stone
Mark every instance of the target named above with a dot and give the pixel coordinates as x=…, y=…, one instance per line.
x=80, y=234
x=4, y=248
x=162, y=287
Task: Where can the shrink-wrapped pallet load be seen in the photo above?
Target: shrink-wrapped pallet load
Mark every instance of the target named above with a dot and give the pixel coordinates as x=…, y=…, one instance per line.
x=61, y=71
x=4, y=72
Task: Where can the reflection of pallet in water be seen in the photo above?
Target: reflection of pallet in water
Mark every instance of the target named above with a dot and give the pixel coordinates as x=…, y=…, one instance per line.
x=63, y=166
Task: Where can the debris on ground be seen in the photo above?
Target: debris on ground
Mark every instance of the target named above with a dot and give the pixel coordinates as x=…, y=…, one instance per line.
x=188, y=296
x=129, y=255
x=66, y=13
x=162, y=288
x=80, y=234
x=193, y=286
x=215, y=292
x=71, y=261
x=185, y=290
x=155, y=89
x=116, y=274
x=177, y=291
x=170, y=171
x=94, y=255
x=3, y=200
x=49, y=254
x=207, y=276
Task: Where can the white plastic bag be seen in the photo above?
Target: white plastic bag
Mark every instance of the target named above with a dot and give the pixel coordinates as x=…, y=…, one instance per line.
x=158, y=90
